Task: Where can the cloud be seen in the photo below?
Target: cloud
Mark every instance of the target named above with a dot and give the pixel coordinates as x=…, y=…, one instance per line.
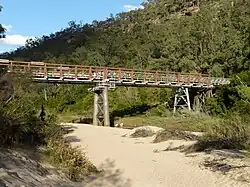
x=14, y=39
x=132, y=7
x=7, y=27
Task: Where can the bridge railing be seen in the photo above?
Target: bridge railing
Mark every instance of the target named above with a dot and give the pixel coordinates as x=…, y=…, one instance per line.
x=64, y=71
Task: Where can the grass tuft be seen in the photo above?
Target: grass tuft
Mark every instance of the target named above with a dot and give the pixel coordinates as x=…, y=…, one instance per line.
x=72, y=160
x=231, y=133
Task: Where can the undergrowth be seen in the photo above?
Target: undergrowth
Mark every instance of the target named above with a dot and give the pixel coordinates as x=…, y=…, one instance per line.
x=230, y=133
x=21, y=125
x=71, y=159
x=186, y=121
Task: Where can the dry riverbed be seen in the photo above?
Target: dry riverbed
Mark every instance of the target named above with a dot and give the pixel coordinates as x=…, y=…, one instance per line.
x=137, y=162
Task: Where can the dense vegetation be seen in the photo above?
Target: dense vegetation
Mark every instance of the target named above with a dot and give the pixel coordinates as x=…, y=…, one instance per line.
x=23, y=124
x=190, y=36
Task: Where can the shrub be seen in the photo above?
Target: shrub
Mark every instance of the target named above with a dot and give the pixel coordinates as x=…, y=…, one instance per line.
x=20, y=125
x=160, y=110
x=231, y=133
x=72, y=160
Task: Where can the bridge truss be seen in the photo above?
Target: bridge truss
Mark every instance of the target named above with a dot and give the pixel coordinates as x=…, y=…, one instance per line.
x=103, y=78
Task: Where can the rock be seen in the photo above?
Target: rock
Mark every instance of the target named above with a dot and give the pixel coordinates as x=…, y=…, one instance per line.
x=119, y=125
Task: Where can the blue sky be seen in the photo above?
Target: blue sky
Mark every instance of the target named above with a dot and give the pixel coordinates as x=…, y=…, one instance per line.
x=33, y=18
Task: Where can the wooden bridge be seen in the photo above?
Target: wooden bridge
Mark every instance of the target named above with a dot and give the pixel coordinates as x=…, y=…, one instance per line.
x=101, y=79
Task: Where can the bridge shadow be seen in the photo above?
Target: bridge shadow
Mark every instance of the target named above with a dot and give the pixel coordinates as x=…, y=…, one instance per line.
x=130, y=111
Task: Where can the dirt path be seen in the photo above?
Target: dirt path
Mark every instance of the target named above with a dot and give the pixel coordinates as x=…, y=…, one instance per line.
x=134, y=163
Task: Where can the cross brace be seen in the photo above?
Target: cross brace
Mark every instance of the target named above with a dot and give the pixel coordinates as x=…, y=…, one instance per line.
x=182, y=99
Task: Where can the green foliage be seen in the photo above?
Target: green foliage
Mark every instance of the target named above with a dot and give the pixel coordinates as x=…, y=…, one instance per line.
x=230, y=133
x=25, y=102
x=160, y=110
x=123, y=98
x=232, y=98
x=61, y=98
x=20, y=125
x=214, y=106
x=2, y=29
x=20, y=119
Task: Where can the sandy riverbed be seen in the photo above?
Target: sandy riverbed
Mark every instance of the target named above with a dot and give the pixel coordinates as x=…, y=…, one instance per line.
x=136, y=163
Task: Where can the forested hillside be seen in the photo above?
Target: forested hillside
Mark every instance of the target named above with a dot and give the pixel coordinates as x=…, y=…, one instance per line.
x=184, y=35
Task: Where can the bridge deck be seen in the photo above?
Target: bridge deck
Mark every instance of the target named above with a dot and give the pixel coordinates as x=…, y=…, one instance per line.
x=73, y=74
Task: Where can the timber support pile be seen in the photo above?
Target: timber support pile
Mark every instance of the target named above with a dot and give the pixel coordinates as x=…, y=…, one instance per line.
x=101, y=105
x=183, y=101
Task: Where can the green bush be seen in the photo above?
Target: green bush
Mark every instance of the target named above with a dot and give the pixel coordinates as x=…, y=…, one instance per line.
x=160, y=111
x=230, y=133
x=20, y=124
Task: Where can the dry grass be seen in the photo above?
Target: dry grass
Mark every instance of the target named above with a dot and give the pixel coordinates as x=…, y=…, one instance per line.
x=173, y=135
x=230, y=133
x=72, y=160
x=142, y=133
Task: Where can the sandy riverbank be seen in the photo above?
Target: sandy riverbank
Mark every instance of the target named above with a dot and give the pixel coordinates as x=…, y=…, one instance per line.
x=136, y=163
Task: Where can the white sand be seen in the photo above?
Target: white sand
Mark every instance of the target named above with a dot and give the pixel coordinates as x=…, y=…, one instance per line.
x=139, y=165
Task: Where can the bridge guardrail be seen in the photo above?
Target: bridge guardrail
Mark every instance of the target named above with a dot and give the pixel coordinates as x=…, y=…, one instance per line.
x=119, y=75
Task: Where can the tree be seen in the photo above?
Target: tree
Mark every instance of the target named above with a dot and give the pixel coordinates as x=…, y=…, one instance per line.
x=2, y=29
